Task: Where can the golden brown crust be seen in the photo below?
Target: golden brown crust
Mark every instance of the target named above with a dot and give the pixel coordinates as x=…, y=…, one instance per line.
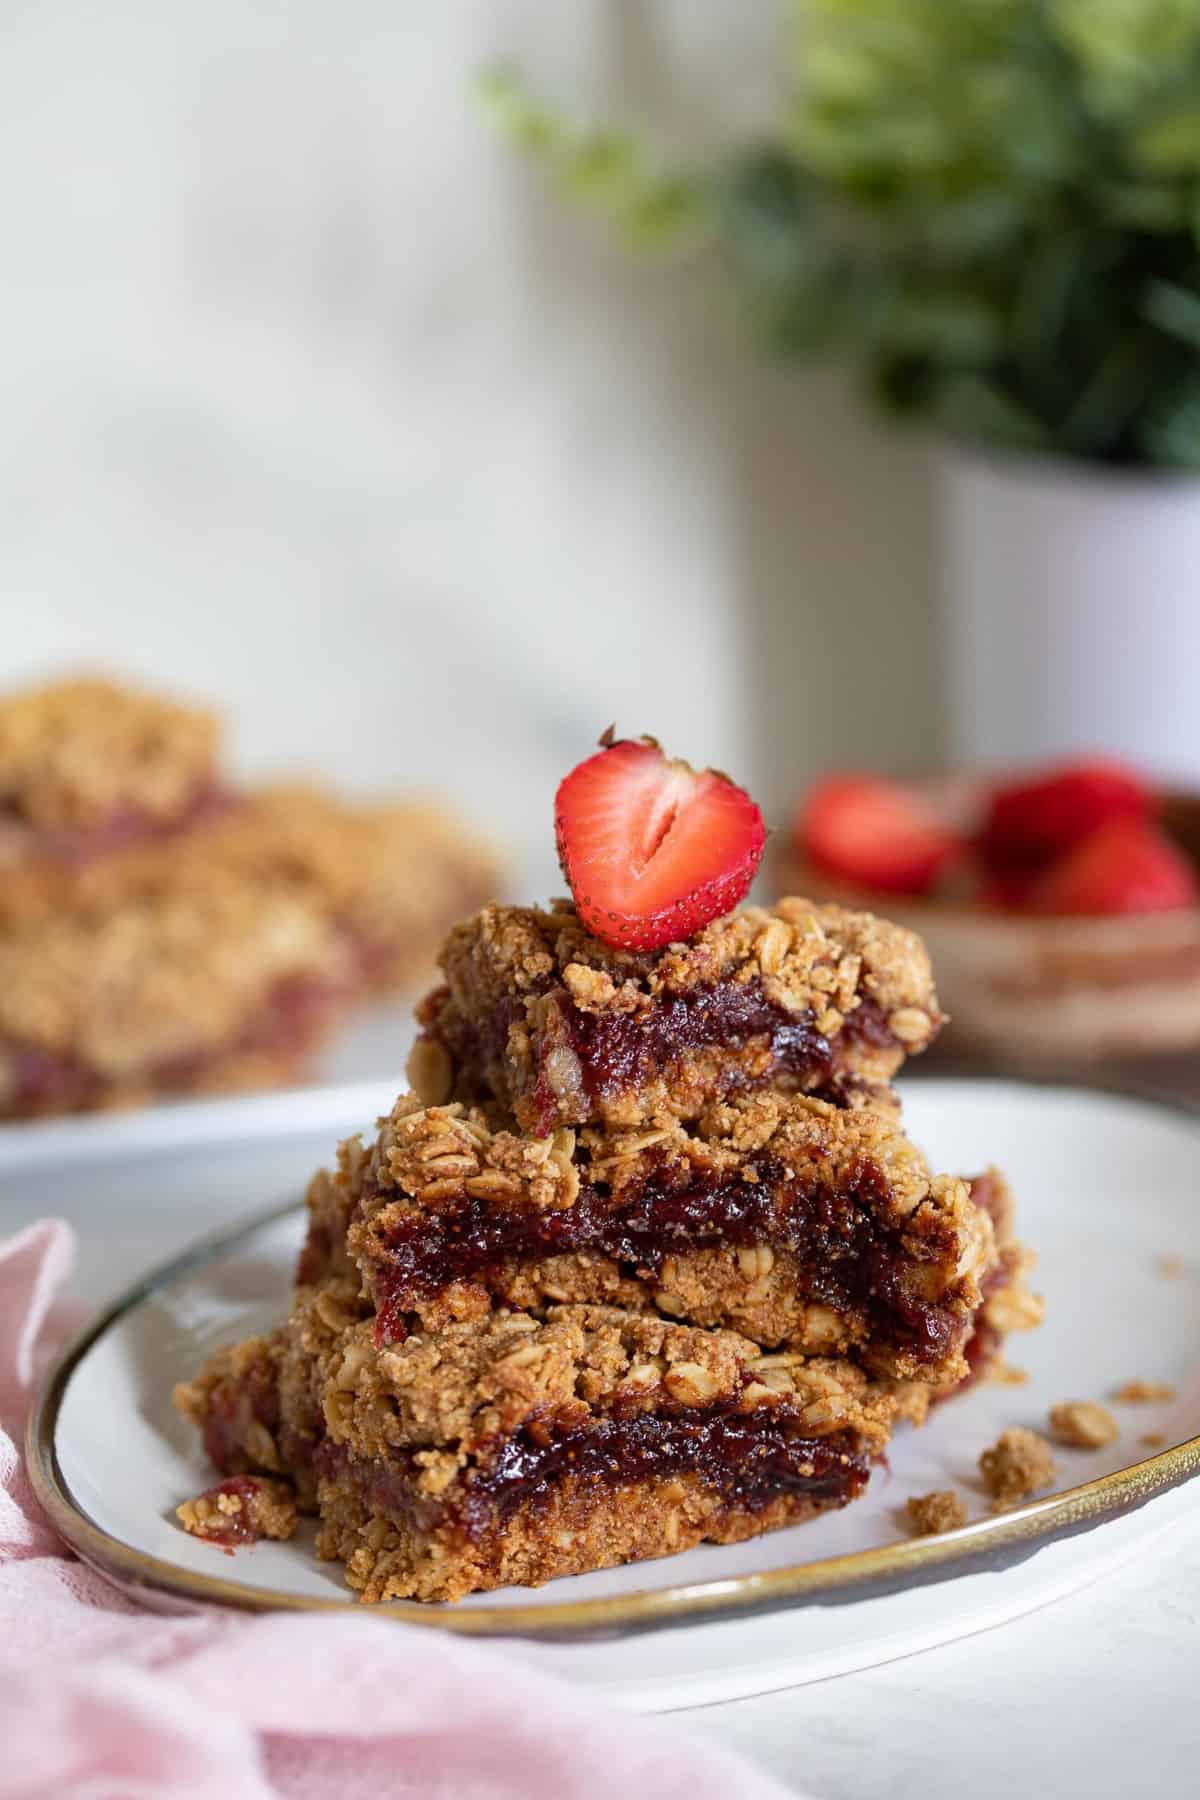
x=74, y=754
x=390, y=875
x=846, y=1183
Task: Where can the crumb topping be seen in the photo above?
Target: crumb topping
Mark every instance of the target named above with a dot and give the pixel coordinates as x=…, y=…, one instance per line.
x=943, y=1510
x=1017, y=1465
x=240, y=1511
x=1143, y=1393
x=1083, y=1425
x=808, y=957
x=75, y=752
x=467, y=1384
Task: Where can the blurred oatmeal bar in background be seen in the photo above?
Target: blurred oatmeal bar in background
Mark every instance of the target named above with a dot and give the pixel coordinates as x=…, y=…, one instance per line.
x=165, y=931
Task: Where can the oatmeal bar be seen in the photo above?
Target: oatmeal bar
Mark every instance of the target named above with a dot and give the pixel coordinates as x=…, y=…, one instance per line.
x=222, y=960
x=563, y=1029
x=87, y=767
x=215, y=985
x=520, y=1449
x=391, y=878
x=783, y=1217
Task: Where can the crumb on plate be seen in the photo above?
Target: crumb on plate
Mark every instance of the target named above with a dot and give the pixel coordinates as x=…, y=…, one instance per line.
x=1017, y=1464
x=1083, y=1425
x=1143, y=1393
x=943, y=1510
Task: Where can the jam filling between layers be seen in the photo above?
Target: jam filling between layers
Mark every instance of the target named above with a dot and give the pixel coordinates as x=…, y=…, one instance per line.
x=125, y=828
x=748, y=1459
x=619, y=1051
x=847, y=1255
x=290, y=1020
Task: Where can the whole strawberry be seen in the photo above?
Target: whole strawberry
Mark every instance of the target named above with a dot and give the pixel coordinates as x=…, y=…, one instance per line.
x=651, y=849
x=1033, y=822
x=1125, y=867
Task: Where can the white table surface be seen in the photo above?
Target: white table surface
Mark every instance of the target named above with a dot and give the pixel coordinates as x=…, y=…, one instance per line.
x=1093, y=1696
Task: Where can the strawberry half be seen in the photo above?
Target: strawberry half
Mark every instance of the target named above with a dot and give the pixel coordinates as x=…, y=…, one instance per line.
x=651, y=849
x=1127, y=867
x=875, y=833
x=1031, y=823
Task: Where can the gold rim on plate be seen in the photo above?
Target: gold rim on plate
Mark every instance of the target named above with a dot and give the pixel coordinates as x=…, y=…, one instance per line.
x=989, y=1545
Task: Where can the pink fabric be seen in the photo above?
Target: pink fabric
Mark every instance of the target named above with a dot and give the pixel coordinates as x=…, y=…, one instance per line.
x=99, y=1699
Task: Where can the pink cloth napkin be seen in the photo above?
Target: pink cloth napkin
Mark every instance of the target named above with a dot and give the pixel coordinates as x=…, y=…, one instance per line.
x=99, y=1699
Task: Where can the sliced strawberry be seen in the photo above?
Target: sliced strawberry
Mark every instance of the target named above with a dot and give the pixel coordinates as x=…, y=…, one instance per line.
x=1031, y=823
x=651, y=849
x=1126, y=867
x=875, y=833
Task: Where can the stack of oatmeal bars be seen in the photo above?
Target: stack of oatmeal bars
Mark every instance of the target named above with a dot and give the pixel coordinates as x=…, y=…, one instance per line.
x=164, y=931
x=645, y=1259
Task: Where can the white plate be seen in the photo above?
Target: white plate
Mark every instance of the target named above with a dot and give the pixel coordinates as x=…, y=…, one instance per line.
x=1106, y=1190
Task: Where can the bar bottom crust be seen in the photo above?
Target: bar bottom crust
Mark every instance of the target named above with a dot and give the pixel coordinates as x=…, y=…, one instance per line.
x=396, y=1548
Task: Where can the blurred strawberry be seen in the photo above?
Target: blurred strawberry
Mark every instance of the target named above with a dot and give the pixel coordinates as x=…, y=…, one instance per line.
x=875, y=833
x=651, y=849
x=1008, y=889
x=1125, y=867
x=1030, y=824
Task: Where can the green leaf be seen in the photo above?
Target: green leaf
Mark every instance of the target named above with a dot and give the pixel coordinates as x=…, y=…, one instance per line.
x=993, y=204
x=1110, y=399
x=951, y=327
x=1169, y=431
x=976, y=410
x=1170, y=143
x=1175, y=310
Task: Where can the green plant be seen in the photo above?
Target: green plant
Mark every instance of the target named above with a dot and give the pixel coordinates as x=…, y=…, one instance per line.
x=992, y=205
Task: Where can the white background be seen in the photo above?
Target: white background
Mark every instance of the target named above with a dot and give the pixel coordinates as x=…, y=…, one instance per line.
x=316, y=401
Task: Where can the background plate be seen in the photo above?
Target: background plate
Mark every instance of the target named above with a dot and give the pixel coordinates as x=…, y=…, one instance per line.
x=1106, y=1192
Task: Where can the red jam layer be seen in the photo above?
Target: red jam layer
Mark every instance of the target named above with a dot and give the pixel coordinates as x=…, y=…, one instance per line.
x=294, y=1016
x=618, y=1051
x=749, y=1459
x=847, y=1256
x=125, y=828
x=233, y=1406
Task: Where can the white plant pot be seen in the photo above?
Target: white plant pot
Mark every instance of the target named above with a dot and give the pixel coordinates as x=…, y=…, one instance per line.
x=1072, y=612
